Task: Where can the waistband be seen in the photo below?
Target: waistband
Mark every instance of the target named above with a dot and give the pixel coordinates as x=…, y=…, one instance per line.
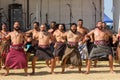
x=60, y=43
x=17, y=47
x=101, y=42
x=72, y=43
x=44, y=46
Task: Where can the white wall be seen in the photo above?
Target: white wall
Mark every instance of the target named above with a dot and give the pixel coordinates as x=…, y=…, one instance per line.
x=116, y=14
x=58, y=10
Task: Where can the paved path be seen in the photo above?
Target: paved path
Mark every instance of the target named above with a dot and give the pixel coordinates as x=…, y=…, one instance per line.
x=101, y=72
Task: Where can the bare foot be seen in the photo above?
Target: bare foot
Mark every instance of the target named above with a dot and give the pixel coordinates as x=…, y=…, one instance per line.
x=52, y=73
x=6, y=74
x=87, y=72
x=113, y=72
x=33, y=73
x=27, y=74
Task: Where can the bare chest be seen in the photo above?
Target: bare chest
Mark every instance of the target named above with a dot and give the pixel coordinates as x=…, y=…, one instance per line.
x=72, y=36
x=44, y=36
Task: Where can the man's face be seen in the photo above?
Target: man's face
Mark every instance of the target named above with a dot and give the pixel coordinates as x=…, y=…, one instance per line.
x=52, y=25
x=43, y=28
x=61, y=27
x=103, y=25
x=35, y=26
x=74, y=28
x=99, y=25
x=16, y=26
x=80, y=23
x=4, y=27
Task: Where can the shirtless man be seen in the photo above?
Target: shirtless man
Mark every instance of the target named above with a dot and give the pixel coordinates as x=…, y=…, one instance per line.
x=71, y=53
x=51, y=30
x=52, y=27
x=32, y=33
x=4, y=44
x=116, y=40
x=16, y=58
x=60, y=45
x=35, y=30
x=80, y=28
x=43, y=51
x=101, y=48
x=83, y=31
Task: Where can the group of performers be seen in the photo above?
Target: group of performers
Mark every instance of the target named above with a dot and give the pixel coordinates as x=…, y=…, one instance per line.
x=55, y=44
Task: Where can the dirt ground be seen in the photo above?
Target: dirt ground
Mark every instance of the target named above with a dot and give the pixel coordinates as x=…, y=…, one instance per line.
x=101, y=72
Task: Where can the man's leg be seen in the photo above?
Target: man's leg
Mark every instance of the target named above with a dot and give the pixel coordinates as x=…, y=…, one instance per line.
x=7, y=71
x=64, y=65
x=26, y=71
x=52, y=65
x=95, y=63
x=57, y=59
x=88, y=67
x=28, y=56
x=35, y=58
x=0, y=63
x=111, y=63
x=79, y=68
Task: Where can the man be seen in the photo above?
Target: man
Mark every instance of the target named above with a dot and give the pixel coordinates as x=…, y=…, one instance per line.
x=80, y=27
x=101, y=47
x=117, y=40
x=35, y=29
x=72, y=55
x=32, y=33
x=4, y=44
x=52, y=27
x=16, y=58
x=82, y=47
x=60, y=45
x=43, y=51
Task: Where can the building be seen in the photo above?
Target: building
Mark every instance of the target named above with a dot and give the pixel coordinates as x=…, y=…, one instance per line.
x=61, y=11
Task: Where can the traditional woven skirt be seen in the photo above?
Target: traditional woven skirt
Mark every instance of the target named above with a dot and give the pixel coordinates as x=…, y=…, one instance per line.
x=44, y=53
x=72, y=55
x=100, y=51
x=60, y=50
x=83, y=51
x=4, y=48
x=16, y=58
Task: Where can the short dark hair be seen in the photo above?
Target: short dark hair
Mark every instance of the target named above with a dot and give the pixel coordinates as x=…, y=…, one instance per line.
x=53, y=22
x=36, y=23
x=80, y=19
x=73, y=24
x=63, y=26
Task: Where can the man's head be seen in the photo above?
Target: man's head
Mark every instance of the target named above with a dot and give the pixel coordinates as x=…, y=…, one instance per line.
x=36, y=25
x=4, y=26
x=73, y=27
x=16, y=26
x=43, y=27
x=99, y=25
x=80, y=22
x=103, y=25
x=53, y=24
x=61, y=27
